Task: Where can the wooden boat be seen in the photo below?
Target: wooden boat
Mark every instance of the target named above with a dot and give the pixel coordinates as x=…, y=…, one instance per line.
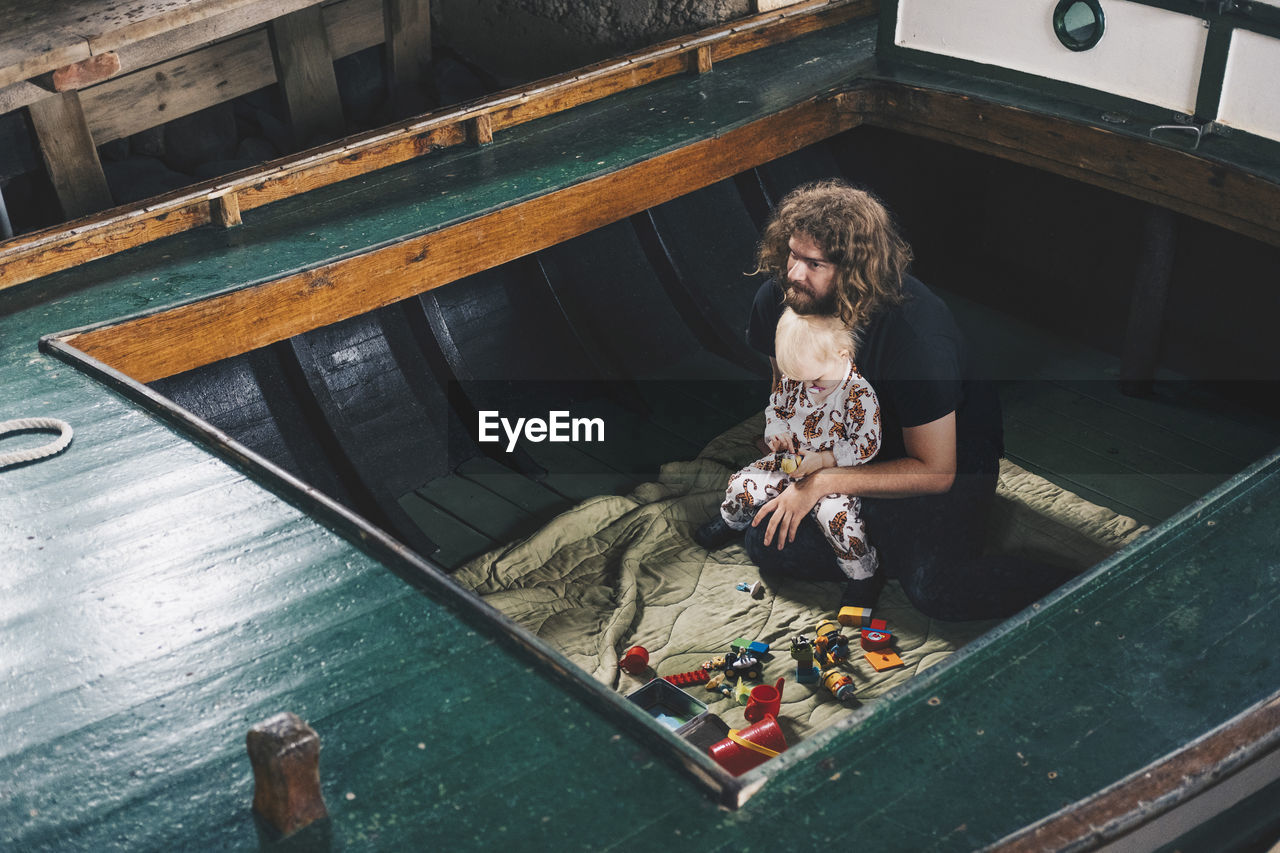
x=173, y=579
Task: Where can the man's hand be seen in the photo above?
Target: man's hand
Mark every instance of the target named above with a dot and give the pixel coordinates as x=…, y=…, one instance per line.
x=787, y=509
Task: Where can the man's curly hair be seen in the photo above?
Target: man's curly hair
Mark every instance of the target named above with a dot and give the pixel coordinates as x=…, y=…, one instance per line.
x=855, y=232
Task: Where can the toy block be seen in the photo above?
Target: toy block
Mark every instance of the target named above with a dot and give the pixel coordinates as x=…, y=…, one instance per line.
x=872, y=640
x=683, y=679
x=758, y=648
x=883, y=660
x=740, y=644
x=855, y=617
x=879, y=625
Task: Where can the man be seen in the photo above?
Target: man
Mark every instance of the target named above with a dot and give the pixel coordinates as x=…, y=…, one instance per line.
x=832, y=249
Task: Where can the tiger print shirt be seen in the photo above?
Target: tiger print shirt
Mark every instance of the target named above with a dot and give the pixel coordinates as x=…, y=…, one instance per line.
x=846, y=422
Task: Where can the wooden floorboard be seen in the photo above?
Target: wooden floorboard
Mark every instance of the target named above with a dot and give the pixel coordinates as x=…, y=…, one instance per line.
x=1067, y=420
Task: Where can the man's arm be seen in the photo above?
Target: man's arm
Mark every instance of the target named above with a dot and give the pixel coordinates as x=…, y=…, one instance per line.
x=929, y=468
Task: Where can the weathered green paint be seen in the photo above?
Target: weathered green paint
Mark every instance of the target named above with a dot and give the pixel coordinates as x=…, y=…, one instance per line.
x=157, y=602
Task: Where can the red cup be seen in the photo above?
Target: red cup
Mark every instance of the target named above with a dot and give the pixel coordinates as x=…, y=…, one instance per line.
x=764, y=700
x=751, y=747
x=634, y=660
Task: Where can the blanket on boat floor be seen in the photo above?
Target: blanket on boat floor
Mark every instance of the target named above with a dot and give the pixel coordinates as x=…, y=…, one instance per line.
x=617, y=571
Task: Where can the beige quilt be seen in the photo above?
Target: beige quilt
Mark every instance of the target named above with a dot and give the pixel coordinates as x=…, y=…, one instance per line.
x=618, y=571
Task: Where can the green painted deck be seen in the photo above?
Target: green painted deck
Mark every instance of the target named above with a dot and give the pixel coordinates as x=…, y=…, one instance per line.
x=157, y=602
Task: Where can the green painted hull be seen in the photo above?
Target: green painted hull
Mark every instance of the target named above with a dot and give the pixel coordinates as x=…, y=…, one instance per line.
x=158, y=600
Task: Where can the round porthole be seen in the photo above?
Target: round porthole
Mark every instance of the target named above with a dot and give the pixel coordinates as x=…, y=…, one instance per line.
x=1078, y=23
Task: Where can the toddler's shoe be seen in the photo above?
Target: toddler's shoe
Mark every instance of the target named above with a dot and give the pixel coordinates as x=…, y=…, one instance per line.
x=715, y=534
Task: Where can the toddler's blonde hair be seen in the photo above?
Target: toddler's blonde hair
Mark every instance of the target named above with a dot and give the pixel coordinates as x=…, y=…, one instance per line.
x=806, y=339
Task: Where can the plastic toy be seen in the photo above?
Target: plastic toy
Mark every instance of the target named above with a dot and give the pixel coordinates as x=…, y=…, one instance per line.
x=719, y=684
x=684, y=679
x=756, y=648
x=883, y=660
x=830, y=647
x=668, y=704
x=736, y=665
x=634, y=660
x=872, y=640
x=839, y=683
x=756, y=589
x=787, y=461
x=855, y=617
x=749, y=747
x=764, y=700
x=802, y=652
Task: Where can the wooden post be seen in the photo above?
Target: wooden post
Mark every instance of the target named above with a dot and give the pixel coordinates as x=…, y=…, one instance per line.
x=224, y=209
x=69, y=154
x=1147, y=305
x=285, y=754
x=480, y=129
x=701, y=59
x=304, y=69
x=408, y=45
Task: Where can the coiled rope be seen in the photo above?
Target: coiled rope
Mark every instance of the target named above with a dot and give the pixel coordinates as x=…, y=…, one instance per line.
x=58, y=445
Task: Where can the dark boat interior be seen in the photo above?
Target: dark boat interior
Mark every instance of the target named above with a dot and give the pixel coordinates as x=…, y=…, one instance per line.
x=641, y=323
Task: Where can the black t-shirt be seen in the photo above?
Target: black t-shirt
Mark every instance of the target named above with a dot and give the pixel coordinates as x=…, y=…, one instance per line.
x=915, y=358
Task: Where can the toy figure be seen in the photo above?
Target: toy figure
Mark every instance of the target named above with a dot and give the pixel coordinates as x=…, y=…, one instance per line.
x=830, y=647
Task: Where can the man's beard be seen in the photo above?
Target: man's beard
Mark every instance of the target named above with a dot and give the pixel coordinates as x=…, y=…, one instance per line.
x=802, y=302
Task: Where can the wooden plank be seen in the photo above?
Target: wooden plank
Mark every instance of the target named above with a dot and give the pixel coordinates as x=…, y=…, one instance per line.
x=408, y=41
x=672, y=58
x=304, y=68
x=202, y=33
x=40, y=253
x=1210, y=191
x=486, y=511
x=36, y=39
x=162, y=344
x=40, y=37
x=66, y=145
x=141, y=99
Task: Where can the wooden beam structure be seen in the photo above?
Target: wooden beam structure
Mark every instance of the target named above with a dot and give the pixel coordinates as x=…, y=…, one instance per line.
x=66, y=145
x=408, y=59
x=304, y=69
x=169, y=342
x=40, y=253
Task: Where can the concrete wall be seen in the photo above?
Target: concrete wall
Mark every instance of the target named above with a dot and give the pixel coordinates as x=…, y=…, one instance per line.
x=521, y=40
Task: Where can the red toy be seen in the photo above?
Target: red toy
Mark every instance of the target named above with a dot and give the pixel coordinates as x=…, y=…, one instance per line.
x=634, y=660
x=872, y=640
x=683, y=679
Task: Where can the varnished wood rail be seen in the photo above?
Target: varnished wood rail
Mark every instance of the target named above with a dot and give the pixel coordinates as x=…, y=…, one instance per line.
x=41, y=253
x=185, y=337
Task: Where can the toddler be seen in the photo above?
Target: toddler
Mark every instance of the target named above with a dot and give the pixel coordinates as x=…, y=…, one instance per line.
x=823, y=411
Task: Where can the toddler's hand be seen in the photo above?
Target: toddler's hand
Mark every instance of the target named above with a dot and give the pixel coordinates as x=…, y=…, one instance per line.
x=781, y=442
x=813, y=461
